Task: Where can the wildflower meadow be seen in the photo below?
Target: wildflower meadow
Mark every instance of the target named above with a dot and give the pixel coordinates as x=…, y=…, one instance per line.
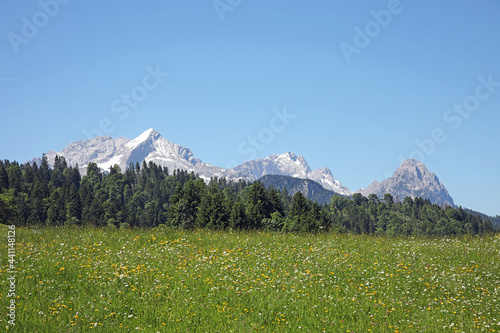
x=75, y=279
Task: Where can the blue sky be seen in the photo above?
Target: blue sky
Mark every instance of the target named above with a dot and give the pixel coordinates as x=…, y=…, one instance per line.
x=365, y=84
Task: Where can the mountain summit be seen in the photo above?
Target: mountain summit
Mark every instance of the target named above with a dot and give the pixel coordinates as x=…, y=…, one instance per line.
x=414, y=180
x=151, y=146
x=411, y=179
x=287, y=164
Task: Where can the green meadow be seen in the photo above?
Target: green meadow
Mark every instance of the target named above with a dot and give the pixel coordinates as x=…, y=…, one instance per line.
x=78, y=279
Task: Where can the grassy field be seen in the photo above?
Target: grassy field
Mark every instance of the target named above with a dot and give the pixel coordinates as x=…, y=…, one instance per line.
x=81, y=279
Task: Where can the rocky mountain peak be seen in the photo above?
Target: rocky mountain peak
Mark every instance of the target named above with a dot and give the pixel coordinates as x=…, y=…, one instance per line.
x=150, y=134
x=413, y=179
x=325, y=170
x=410, y=179
x=411, y=162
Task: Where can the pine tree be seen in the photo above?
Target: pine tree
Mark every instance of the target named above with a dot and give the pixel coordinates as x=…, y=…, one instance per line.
x=37, y=215
x=96, y=213
x=275, y=204
x=44, y=169
x=299, y=205
x=73, y=206
x=237, y=218
x=8, y=209
x=23, y=209
x=4, y=178
x=256, y=205
x=15, y=177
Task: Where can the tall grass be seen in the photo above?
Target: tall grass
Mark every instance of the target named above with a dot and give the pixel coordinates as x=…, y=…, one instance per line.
x=79, y=279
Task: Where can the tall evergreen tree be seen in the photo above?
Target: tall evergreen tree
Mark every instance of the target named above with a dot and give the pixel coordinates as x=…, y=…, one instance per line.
x=4, y=178
x=237, y=218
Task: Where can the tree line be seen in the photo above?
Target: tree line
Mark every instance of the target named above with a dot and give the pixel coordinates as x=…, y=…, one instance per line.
x=147, y=195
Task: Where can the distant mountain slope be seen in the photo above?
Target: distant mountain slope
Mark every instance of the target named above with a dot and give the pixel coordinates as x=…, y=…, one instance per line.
x=309, y=188
x=411, y=179
x=414, y=180
x=99, y=150
x=287, y=164
x=495, y=220
x=151, y=146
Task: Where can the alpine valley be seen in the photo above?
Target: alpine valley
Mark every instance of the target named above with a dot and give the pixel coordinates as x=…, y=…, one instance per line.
x=411, y=179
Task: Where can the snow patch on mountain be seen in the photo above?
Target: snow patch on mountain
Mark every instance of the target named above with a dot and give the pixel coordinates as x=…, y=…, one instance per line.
x=99, y=150
x=411, y=179
x=151, y=146
x=286, y=164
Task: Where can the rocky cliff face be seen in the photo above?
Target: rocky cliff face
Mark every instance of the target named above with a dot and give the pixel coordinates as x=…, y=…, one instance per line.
x=411, y=179
x=151, y=146
x=308, y=187
x=414, y=180
x=287, y=164
x=99, y=150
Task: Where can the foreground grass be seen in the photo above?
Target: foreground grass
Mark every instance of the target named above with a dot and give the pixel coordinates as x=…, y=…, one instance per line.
x=78, y=279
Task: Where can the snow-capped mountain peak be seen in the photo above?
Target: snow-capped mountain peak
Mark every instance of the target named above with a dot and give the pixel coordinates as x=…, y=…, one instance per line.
x=286, y=164
x=151, y=146
x=411, y=178
x=149, y=135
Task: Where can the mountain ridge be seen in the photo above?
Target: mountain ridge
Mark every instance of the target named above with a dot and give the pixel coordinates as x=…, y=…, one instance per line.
x=411, y=179
x=151, y=146
x=310, y=188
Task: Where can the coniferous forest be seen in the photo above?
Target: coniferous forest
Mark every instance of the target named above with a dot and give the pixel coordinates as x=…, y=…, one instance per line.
x=147, y=195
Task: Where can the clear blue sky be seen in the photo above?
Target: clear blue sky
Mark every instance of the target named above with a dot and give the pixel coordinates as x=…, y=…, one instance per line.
x=359, y=104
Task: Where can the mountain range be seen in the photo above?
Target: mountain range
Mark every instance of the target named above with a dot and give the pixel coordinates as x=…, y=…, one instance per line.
x=411, y=179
